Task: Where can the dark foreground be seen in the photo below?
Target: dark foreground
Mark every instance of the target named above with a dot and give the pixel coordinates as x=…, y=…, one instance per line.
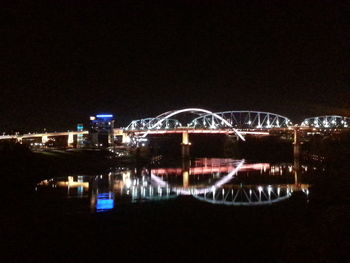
x=181, y=229
x=37, y=230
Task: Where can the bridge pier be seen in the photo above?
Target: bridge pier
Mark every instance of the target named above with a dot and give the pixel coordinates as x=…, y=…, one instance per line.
x=70, y=140
x=296, y=144
x=185, y=146
x=44, y=139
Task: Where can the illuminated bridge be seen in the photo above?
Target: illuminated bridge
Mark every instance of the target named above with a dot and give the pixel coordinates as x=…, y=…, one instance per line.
x=327, y=122
x=45, y=136
x=237, y=123
x=204, y=119
x=241, y=121
x=195, y=120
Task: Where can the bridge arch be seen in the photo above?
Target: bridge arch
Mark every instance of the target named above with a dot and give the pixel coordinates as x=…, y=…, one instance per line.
x=235, y=195
x=179, y=190
x=164, y=116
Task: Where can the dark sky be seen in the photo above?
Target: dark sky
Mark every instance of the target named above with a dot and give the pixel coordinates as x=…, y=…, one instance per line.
x=64, y=60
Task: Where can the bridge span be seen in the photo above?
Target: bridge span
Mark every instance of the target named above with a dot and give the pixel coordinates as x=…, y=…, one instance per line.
x=201, y=121
x=236, y=123
x=45, y=136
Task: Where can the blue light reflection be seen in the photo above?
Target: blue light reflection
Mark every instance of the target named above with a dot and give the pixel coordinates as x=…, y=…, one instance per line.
x=104, y=202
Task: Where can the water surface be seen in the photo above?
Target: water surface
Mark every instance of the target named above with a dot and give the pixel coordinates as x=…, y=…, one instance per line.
x=225, y=182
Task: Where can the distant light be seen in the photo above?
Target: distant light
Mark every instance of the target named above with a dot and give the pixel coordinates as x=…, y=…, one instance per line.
x=104, y=116
x=80, y=127
x=92, y=118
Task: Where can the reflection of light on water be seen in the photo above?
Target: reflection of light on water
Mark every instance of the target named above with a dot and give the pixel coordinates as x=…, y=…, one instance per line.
x=127, y=179
x=214, y=182
x=247, y=195
x=225, y=179
x=185, y=177
x=216, y=169
x=70, y=183
x=104, y=202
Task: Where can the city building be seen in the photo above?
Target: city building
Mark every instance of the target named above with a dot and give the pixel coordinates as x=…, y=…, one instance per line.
x=101, y=130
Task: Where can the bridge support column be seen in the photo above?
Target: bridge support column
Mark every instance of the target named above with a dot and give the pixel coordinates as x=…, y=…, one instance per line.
x=125, y=138
x=44, y=139
x=185, y=146
x=70, y=140
x=296, y=144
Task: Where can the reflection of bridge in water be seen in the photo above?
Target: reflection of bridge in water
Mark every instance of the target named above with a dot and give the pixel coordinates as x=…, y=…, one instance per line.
x=250, y=195
x=235, y=195
x=153, y=185
x=223, y=193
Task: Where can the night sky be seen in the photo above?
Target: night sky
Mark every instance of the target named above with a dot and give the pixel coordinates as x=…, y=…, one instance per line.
x=62, y=61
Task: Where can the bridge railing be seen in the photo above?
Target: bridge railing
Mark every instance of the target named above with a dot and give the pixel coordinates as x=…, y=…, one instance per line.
x=148, y=123
x=243, y=120
x=327, y=122
x=218, y=120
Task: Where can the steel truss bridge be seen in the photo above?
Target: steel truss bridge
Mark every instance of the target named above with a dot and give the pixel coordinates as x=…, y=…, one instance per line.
x=238, y=123
x=204, y=119
x=327, y=122
x=239, y=120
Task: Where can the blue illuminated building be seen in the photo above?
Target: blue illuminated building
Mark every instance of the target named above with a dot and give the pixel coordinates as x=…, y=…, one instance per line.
x=80, y=127
x=101, y=130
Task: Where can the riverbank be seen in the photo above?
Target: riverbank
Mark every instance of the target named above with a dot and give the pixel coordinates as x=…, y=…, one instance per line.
x=21, y=167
